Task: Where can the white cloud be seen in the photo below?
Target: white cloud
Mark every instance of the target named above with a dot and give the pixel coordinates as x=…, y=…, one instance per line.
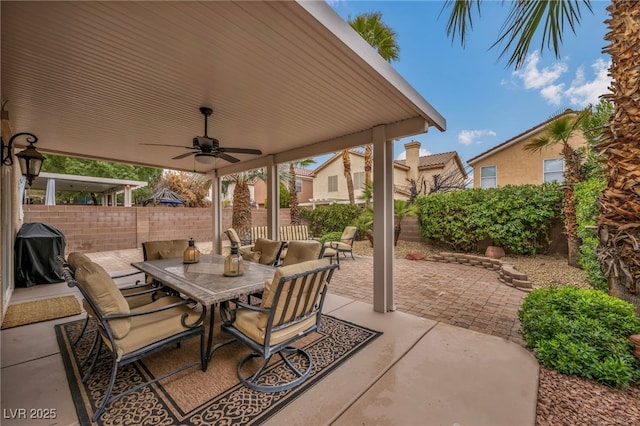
x=467, y=137
x=583, y=92
x=580, y=92
x=553, y=93
x=403, y=154
x=534, y=78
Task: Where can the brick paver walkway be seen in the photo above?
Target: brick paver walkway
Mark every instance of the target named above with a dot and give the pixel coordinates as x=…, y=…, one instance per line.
x=460, y=295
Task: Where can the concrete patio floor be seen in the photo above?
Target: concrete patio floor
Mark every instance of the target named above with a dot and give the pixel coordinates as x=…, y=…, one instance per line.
x=424, y=370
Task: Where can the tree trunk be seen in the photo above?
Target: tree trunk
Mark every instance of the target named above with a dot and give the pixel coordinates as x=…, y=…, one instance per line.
x=572, y=176
x=294, y=212
x=368, y=166
x=346, y=162
x=619, y=219
x=241, y=220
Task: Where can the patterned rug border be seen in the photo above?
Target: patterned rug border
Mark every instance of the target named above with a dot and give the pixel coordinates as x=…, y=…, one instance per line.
x=71, y=369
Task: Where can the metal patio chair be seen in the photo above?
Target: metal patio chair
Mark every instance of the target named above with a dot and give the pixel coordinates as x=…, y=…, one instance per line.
x=130, y=335
x=290, y=309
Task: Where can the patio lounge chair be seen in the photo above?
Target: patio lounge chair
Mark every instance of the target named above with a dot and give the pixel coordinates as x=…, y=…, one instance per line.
x=345, y=245
x=234, y=238
x=130, y=335
x=290, y=309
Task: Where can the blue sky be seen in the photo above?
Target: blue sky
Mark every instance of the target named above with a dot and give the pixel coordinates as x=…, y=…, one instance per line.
x=484, y=102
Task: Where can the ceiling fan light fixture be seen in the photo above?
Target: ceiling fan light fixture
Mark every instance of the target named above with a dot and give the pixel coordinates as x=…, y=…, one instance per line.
x=205, y=159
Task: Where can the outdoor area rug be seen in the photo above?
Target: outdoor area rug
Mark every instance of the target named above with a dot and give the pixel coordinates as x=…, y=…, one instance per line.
x=40, y=310
x=194, y=397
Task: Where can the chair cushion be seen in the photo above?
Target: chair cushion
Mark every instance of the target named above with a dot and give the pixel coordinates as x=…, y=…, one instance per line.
x=148, y=329
x=270, y=289
x=247, y=322
x=171, y=254
x=76, y=259
x=106, y=295
x=301, y=251
x=268, y=248
x=251, y=256
x=233, y=236
x=152, y=249
x=339, y=246
x=349, y=233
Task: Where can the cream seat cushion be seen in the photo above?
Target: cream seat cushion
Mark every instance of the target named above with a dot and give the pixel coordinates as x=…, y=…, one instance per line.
x=254, y=324
x=338, y=245
x=268, y=249
x=164, y=249
x=301, y=251
x=105, y=294
x=148, y=329
x=76, y=259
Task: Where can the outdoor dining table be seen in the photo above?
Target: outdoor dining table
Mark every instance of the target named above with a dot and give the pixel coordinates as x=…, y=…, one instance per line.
x=205, y=283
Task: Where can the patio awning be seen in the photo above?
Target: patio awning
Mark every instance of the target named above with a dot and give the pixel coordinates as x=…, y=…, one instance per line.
x=99, y=79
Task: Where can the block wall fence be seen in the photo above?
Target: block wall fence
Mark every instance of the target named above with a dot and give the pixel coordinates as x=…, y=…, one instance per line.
x=97, y=228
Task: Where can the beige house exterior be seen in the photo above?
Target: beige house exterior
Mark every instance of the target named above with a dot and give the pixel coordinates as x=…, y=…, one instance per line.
x=304, y=187
x=510, y=164
x=330, y=184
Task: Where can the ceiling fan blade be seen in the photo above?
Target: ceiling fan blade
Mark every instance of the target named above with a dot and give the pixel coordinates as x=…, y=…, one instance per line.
x=227, y=157
x=178, y=157
x=241, y=150
x=173, y=146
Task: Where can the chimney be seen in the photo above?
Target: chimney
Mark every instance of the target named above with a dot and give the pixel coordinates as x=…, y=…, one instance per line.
x=413, y=158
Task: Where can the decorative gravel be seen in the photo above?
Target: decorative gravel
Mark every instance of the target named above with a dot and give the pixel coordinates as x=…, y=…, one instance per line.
x=562, y=400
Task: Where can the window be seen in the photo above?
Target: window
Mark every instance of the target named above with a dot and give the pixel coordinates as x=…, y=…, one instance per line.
x=333, y=183
x=553, y=169
x=358, y=180
x=488, y=177
x=298, y=185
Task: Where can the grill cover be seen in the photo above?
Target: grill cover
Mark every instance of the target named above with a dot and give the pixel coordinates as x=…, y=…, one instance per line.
x=36, y=248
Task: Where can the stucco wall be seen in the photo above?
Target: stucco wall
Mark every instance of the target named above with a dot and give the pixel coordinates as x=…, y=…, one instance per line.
x=515, y=166
x=335, y=168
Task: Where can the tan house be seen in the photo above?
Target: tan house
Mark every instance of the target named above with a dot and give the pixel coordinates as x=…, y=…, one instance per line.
x=304, y=188
x=330, y=184
x=510, y=164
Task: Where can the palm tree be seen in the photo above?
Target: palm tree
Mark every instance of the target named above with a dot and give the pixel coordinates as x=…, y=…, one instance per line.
x=559, y=131
x=619, y=219
x=346, y=164
x=382, y=38
x=619, y=226
x=293, y=194
x=241, y=218
x=401, y=209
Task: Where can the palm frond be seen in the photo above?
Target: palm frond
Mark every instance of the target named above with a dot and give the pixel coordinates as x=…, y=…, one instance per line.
x=460, y=21
x=525, y=19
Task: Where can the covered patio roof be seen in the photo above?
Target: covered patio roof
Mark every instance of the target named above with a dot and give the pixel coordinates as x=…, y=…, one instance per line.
x=292, y=79
x=99, y=79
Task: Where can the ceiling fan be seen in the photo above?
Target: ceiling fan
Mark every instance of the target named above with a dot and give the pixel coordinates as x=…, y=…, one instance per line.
x=205, y=147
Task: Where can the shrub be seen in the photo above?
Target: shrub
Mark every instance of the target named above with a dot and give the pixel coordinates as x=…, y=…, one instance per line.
x=330, y=236
x=517, y=218
x=585, y=195
x=582, y=332
x=331, y=218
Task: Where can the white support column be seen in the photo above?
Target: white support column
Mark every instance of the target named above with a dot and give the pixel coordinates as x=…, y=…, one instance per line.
x=127, y=196
x=216, y=212
x=382, y=221
x=273, y=199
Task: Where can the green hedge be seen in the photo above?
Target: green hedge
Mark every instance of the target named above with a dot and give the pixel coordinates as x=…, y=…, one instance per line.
x=517, y=218
x=585, y=195
x=582, y=332
x=331, y=218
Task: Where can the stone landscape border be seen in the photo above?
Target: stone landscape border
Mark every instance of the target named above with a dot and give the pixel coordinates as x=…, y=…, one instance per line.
x=507, y=273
